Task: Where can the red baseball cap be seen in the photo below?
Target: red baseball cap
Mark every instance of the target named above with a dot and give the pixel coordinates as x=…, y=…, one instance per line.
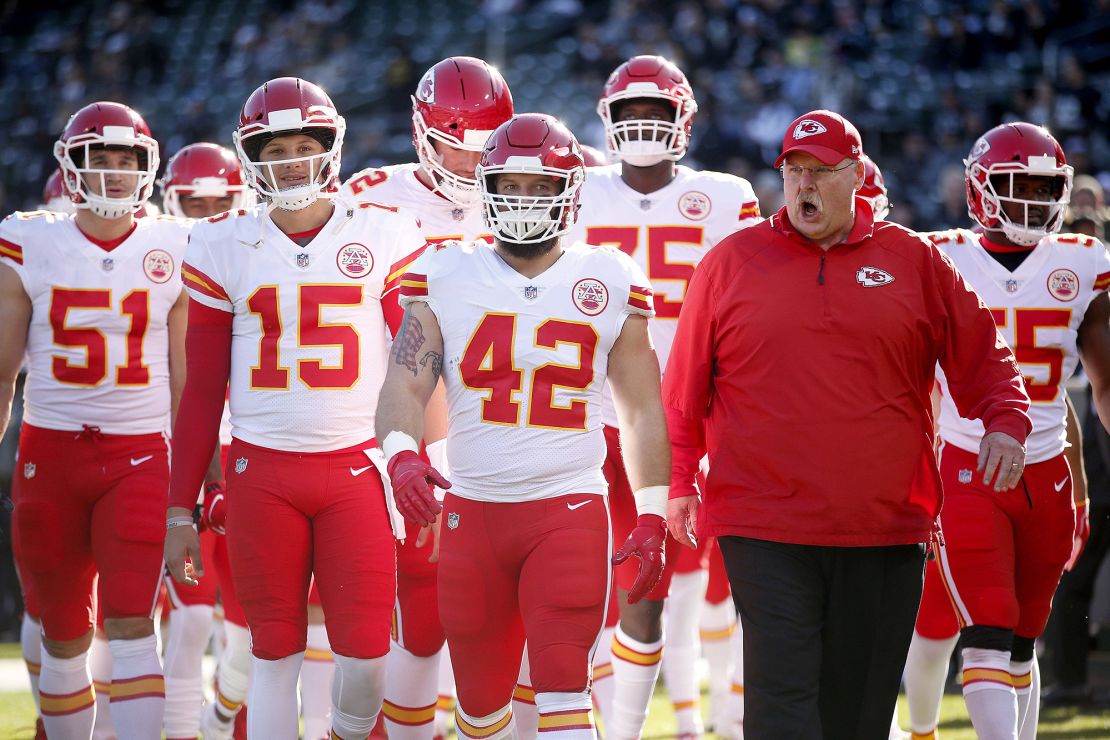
x=826, y=135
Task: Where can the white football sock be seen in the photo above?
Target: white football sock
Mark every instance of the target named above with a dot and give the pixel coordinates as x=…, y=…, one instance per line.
x=635, y=671
x=526, y=716
x=445, y=701
x=565, y=716
x=190, y=630
x=30, y=641
x=100, y=666
x=602, y=681
x=233, y=671
x=66, y=696
x=317, y=673
x=989, y=693
x=409, y=709
x=273, y=698
x=680, y=661
x=495, y=726
x=138, y=693
x=716, y=629
x=925, y=674
x=356, y=695
x=1026, y=677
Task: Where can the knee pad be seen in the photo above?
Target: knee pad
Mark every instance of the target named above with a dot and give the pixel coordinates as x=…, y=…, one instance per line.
x=987, y=638
x=1023, y=649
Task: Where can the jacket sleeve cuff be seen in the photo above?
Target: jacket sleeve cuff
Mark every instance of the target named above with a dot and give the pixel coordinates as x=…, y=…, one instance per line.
x=1014, y=423
x=687, y=448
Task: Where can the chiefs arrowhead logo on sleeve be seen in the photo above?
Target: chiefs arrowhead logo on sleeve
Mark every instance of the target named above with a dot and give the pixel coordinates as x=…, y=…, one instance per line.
x=872, y=277
x=808, y=127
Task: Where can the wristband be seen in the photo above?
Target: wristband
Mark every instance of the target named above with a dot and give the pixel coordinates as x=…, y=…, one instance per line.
x=652, y=500
x=179, y=521
x=395, y=442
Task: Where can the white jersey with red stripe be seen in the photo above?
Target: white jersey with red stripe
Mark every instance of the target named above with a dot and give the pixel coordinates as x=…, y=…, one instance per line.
x=667, y=233
x=1038, y=308
x=98, y=342
x=310, y=341
x=398, y=185
x=524, y=363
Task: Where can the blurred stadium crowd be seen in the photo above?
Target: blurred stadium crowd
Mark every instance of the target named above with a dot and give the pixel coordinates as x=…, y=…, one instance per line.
x=921, y=80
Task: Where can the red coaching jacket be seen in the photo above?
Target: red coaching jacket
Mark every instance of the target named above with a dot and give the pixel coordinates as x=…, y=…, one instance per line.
x=811, y=372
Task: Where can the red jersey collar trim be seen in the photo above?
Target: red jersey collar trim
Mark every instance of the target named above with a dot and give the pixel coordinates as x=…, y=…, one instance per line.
x=109, y=244
x=992, y=246
x=863, y=228
x=310, y=234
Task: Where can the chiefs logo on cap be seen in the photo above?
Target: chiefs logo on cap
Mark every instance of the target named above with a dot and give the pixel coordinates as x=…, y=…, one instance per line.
x=808, y=127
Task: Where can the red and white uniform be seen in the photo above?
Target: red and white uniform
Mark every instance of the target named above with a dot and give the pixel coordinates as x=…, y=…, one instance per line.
x=309, y=348
x=1038, y=308
x=666, y=233
x=525, y=544
x=440, y=219
x=98, y=361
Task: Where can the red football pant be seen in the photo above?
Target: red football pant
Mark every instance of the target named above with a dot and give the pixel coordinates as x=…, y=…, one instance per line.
x=622, y=510
x=1003, y=553
x=89, y=502
x=291, y=516
x=936, y=619
x=509, y=572
x=417, y=626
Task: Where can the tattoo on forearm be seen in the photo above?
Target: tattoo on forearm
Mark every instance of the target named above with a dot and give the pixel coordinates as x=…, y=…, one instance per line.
x=410, y=338
x=434, y=362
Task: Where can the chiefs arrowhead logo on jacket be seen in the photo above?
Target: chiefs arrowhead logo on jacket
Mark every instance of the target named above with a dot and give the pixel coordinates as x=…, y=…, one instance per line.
x=870, y=277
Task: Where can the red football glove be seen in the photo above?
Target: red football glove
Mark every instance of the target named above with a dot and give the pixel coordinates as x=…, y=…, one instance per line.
x=645, y=542
x=1080, y=535
x=214, y=515
x=412, y=479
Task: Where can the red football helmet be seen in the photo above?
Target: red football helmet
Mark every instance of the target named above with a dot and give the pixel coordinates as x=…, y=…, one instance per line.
x=593, y=157
x=873, y=189
x=55, y=197
x=99, y=125
x=1016, y=149
x=534, y=144
x=202, y=171
x=283, y=106
x=643, y=143
x=459, y=102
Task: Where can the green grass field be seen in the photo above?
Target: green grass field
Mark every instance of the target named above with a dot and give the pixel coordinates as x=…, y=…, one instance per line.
x=17, y=716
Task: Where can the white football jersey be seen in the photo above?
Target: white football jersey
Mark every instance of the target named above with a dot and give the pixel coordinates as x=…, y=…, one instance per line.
x=1038, y=308
x=310, y=342
x=440, y=219
x=524, y=363
x=98, y=343
x=667, y=233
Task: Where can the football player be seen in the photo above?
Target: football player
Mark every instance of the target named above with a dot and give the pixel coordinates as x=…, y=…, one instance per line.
x=524, y=336
x=202, y=180
x=1002, y=555
x=456, y=106
x=665, y=216
x=292, y=302
x=95, y=301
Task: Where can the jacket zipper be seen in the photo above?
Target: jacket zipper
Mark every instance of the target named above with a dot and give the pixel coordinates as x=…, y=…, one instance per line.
x=821, y=272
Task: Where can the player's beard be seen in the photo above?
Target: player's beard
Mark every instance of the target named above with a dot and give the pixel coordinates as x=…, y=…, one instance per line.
x=528, y=251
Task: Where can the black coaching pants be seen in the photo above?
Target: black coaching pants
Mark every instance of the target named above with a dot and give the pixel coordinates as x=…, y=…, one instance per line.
x=826, y=631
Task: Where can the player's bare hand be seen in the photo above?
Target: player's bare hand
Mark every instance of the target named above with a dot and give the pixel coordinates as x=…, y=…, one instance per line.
x=430, y=531
x=646, y=542
x=214, y=516
x=1003, y=455
x=412, y=480
x=182, y=553
x=682, y=519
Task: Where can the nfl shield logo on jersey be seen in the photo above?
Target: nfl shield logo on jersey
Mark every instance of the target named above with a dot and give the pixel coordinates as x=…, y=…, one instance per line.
x=107, y=264
x=965, y=476
x=240, y=465
x=1012, y=286
x=453, y=520
x=302, y=260
x=29, y=470
x=531, y=292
